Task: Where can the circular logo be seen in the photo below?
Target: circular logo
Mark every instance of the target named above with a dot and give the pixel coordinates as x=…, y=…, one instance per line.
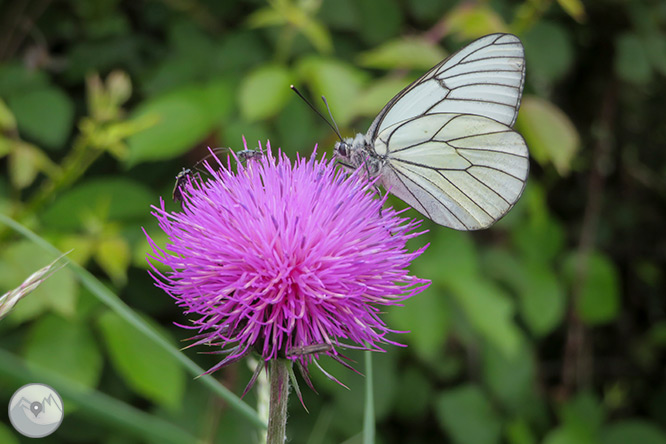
x=35, y=410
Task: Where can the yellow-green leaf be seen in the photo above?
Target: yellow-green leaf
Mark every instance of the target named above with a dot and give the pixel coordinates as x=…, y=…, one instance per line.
x=473, y=20
x=574, y=8
x=371, y=100
x=264, y=92
x=113, y=255
x=339, y=81
x=408, y=52
x=7, y=119
x=549, y=133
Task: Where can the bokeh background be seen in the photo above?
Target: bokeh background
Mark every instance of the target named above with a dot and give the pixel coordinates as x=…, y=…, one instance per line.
x=547, y=328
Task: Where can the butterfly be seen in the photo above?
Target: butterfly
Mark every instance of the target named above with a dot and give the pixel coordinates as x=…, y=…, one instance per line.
x=445, y=144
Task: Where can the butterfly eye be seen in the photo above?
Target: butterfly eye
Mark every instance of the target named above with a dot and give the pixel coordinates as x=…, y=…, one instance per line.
x=341, y=149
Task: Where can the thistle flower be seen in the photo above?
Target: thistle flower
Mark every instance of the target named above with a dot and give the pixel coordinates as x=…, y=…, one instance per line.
x=287, y=260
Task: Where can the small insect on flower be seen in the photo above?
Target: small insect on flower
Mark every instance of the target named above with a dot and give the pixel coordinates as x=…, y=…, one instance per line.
x=181, y=178
x=246, y=155
x=188, y=174
x=289, y=260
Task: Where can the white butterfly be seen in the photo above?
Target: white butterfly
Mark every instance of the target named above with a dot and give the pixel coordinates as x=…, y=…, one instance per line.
x=445, y=144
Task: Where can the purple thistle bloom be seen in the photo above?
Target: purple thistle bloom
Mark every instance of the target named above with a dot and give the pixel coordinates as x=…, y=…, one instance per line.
x=286, y=260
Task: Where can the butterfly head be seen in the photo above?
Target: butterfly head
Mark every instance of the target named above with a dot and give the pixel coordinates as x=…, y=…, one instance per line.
x=348, y=150
x=352, y=153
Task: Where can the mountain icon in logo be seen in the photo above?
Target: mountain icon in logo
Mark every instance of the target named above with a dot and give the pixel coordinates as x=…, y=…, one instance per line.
x=36, y=410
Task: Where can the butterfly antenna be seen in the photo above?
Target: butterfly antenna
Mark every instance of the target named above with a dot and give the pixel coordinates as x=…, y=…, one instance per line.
x=334, y=128
x=337, y=130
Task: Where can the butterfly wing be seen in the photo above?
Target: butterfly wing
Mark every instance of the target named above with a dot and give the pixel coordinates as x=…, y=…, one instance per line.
x=460, y=170
x=485, y=78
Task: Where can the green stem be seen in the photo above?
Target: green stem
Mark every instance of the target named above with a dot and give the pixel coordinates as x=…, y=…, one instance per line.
x=277, y=414
x=369, y=413
x=74, y=165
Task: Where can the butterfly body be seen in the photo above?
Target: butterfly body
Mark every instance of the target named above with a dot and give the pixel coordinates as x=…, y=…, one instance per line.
x=445, y=144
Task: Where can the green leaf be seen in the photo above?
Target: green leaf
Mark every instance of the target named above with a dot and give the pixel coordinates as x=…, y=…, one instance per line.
x=115, y=198
x=655, y=45
x=57, y=293
x=380, y=19
x=564, y=435
x=633, y=431
x=549, y=50
x=457, y=259
x=599, y=298
x=549, y=133
x=183, y=119
x=489, y=311
x=519, y=432
x=426, y=317
x=64, y=347
x=241, y=50
x=7, y=119
x=340, y=15
x=318, y=35
x=17, y=78
x=632, y=62
x=149, y=370
x=372, y=99
x=143, y=248
x=45, y=115
x=467, y=416
x=511, y=378
x=406, y=52
x=297, y=127
x=264, y=17
x=574, y=8
x=428, y=11
x=8, y=434
x=581, y=418
x=25, y=161
x=541, y=237
x=583, y=413
x=220, y=97
x=234, y=130
x=473, y=20
x=542, y=298
x=264, y=92
x=113, y=255
x=335, y=79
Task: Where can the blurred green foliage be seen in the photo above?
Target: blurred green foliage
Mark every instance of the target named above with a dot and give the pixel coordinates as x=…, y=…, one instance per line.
x=548, y=328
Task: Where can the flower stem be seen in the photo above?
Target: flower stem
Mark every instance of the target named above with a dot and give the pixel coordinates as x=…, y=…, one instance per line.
x=369, y=410
x=277, y=414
